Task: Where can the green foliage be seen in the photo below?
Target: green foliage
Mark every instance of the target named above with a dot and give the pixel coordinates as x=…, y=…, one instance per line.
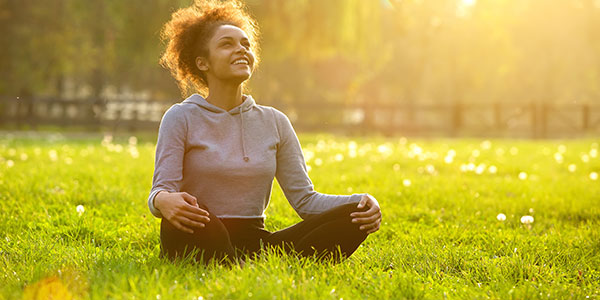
x=335, y=50
x=440, y=238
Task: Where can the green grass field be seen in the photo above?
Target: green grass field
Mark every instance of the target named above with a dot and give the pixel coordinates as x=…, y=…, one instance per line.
x=441, y=237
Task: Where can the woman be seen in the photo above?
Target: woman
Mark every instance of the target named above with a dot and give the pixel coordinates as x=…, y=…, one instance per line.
x=216, y=157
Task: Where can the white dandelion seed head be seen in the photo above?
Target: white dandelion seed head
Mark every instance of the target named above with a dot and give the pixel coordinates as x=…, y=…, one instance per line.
x=80, y=209
x=12, y=152
x=10, y=163
x=448, y=159
x=475, y=153
x=24, y=156
x=133, y=140
x=527, y=219
x=68, y=160
x=318, y=162
x=558, y=157
x=501, y=217
x=594, y=176
x=396, y=167
x=493, y=169
x=522, y=175
x=53, y=155
x=572, y=168
x=406, y=182
x=585, y=158
x=562, y=149
x=480, y=169
x=514, y=150
x=486, y=145
x=594, y=153
x=339, y=157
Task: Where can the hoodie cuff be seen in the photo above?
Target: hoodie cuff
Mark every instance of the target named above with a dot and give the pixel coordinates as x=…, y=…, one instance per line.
x=153, y=209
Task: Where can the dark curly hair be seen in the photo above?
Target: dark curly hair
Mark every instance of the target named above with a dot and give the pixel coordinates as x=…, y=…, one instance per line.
x=187, y=35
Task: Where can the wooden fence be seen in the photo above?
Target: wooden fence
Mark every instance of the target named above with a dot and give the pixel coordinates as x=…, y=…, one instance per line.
x=506, y=119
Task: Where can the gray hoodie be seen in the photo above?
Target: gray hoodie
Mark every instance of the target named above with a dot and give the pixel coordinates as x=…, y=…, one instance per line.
x=228, y=159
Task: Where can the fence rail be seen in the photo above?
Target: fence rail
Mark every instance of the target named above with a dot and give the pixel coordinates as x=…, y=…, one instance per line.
x=505, y=119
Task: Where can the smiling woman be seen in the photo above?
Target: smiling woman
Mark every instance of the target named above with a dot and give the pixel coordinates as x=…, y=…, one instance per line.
x=217, y=154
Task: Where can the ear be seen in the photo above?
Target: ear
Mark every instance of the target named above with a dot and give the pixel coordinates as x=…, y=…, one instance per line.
x=201, y=64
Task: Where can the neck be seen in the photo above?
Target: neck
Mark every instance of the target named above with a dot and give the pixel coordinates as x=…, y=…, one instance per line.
x=225, y=96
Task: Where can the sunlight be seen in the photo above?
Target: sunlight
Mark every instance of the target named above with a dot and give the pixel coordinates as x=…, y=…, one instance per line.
x=469, y=2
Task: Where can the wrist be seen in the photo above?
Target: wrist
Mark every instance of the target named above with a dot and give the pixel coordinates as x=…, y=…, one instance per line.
x=156, y=201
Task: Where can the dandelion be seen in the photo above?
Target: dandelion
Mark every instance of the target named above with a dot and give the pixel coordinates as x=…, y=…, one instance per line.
x=594, y=176
x=526, y=220
x=430, y=169
x=514, y=150
x=118, y=148
x=522, y=175
x=133, y=140
x=396, y=167
x=499, y=151
x=68, y=160
x=475, y=153
x=480, y=169
x=53, y=155
x=80, y=209
x=501, y=217
x=585, y=158
x=349, y=189
x=12, y=152
x=493, y=169
x=572, y=168
x=448, y=159
x=406, y=182
x=471, y=167
x=562, y=149
x=485, y=145
x=464, y=168
x=10, y=163
x=308, y=168
x=558, y=157
x=318, y=162
x=339, y=157
x=594, y=153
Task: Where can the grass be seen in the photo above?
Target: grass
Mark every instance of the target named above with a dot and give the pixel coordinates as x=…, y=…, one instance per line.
x=440, y=237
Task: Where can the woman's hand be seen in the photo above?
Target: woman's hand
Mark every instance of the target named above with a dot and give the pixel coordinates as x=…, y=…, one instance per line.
x=181, y=209
x=370, y=219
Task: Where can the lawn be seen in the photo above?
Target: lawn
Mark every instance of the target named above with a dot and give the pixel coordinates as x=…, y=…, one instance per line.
x=74, y=222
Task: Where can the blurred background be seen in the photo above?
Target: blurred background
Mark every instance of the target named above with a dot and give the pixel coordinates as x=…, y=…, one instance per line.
x=502, y=68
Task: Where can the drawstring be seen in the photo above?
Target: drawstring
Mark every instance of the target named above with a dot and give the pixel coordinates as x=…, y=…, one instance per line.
x=246, y=158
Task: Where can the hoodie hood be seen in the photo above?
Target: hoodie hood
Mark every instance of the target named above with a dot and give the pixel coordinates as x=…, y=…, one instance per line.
x=247, y=105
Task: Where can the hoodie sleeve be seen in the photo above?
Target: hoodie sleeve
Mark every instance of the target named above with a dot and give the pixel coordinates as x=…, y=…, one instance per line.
x=170, y=149
x=292, y=175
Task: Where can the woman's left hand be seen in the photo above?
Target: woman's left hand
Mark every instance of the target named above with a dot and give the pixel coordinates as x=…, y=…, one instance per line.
x=370, y=219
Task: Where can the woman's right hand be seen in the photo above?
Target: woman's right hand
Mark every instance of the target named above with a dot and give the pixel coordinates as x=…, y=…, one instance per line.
x=181, y=210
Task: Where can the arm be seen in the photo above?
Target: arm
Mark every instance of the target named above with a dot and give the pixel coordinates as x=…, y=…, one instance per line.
x=165, y=200
x=168, y=162
x=293, y=177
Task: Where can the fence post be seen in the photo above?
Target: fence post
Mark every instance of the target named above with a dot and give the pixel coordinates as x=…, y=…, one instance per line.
x=586, y=116
x=534, y=131
x=498, y=116
x=456, y=117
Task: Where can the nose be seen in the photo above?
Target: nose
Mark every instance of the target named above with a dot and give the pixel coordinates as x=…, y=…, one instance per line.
x=242, y=49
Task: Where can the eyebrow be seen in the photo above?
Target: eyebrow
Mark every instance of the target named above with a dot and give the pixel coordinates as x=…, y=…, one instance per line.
x=231, y=38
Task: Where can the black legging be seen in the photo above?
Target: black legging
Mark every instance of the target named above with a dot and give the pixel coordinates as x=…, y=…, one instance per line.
x=222, y=239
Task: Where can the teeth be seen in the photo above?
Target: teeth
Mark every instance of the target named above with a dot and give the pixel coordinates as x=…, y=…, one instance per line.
x=240, y=61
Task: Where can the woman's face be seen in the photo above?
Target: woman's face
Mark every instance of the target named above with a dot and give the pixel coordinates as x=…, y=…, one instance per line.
x=230, y=56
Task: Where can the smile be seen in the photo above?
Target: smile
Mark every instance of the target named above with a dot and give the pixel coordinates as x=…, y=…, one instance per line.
x=241, y=61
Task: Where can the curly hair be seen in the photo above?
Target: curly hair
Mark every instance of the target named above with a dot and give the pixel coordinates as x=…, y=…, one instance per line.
x=187, y=35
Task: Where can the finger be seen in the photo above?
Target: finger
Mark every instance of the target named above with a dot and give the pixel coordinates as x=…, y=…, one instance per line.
x=195, y=217
x=189, y=199
x=195, y=210
x=181, y=227
x=363, y=201
x=373, y=230
x=367, y=220
x=361, y=214
x=190, y=223
x=370, y=226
